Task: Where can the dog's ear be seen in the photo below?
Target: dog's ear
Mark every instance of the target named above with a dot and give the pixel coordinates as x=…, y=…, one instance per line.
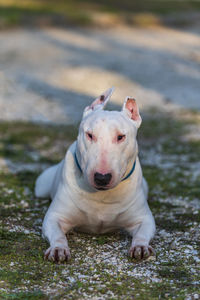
x=131, y=109
x=99, y=103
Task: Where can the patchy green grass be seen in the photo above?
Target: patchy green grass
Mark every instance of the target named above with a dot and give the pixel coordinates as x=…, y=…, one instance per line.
x=29, y=142
x=79, y=12
x=100, y=265
x=41, y=12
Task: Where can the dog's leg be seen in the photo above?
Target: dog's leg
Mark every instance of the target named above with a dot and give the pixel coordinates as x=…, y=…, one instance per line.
x=54, y=231
x=142, y=235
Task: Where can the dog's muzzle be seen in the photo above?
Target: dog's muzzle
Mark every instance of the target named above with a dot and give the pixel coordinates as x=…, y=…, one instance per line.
x=102, y=180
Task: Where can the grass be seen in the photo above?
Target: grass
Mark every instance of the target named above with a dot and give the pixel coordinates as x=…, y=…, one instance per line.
x=22, y=141
x=100, y=265
x=79, y=12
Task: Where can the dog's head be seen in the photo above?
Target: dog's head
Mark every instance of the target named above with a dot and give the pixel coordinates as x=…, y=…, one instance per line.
x=106, y=144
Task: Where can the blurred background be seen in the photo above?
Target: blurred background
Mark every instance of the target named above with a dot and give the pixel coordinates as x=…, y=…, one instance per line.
x=56, y=57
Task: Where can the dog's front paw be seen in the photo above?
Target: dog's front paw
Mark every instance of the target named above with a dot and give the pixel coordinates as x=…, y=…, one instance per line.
x=57, y=254
x=141, y=252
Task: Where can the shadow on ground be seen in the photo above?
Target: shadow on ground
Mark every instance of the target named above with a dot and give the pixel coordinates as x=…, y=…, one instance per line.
x=50, y=75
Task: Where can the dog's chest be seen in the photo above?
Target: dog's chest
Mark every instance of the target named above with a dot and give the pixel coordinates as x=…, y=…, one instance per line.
x=99, y=220
x=97, y=226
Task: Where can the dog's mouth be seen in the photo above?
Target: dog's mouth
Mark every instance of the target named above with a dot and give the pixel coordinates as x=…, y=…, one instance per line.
x=101, y=188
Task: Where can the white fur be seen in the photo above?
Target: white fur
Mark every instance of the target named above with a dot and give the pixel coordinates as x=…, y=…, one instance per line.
x=76, y=201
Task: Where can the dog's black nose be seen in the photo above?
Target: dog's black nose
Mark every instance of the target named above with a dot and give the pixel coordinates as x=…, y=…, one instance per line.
x=102, y=179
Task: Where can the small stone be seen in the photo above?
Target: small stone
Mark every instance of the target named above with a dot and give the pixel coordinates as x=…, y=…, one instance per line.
x=163, y=233
x=26, y=191
x=173, y=245
x=151, y=258
x=24, y=204
x=167, y=295
x=34, y=155
x=65, y=272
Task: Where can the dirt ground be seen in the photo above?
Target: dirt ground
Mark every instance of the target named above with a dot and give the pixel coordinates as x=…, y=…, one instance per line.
x=47, y=77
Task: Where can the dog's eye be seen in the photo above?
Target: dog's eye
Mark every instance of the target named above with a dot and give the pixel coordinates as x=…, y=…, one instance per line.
x=89, y=135
x=121, y=137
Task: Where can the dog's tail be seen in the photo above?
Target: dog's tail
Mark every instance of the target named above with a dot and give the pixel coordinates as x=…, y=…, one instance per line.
x=45, y=182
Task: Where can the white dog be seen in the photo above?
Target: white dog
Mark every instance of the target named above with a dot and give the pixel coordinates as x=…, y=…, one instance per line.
x=99, y=186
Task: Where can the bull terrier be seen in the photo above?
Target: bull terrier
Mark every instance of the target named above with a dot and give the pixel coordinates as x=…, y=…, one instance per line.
x=99, y=187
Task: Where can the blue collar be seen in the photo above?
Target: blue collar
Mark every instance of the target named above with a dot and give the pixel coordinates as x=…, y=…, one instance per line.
x=131, y=172
x=127, y=176
x=76, y=160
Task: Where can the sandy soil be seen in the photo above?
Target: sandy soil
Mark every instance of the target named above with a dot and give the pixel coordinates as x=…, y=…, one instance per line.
x=50, y=75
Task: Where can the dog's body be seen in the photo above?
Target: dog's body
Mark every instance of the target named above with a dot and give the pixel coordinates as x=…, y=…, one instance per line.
x=99, y=186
